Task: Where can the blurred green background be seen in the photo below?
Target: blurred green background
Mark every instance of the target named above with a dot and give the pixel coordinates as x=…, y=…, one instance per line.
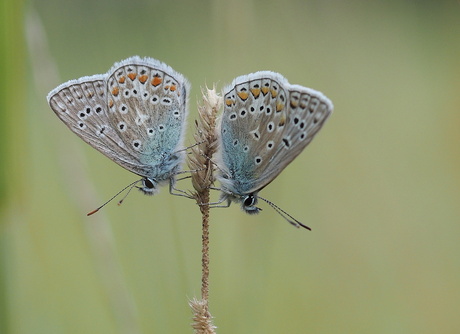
x=379, y=185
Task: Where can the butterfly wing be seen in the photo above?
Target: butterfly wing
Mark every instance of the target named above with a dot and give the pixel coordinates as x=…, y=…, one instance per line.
x=147, y=101
x=82, y=105
x=118, y=125
x=266, y=123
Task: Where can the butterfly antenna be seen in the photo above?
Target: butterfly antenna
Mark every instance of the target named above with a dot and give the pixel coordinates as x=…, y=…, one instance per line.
x=131, y=186
x=285, y=215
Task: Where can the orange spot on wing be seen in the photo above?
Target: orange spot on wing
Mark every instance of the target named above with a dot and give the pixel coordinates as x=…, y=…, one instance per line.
x=255, y=92
x=279, y=107
x=110, y=103
x=122, y=79
x=156, y=81
x=294, y=103
x=143, y=78
x=115, y=91
x=274, y=93
x=264, y=90
x=166, y=87
x=243, y=95
x=282, y=121
x=172, y=88
x=229, y=102
x=132, y=76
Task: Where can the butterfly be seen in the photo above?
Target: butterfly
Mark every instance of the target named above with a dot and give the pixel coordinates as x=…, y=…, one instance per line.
x=135, y=114
x=266, y=123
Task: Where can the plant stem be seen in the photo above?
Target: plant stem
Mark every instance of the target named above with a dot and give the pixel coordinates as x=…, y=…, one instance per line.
x=202, y=179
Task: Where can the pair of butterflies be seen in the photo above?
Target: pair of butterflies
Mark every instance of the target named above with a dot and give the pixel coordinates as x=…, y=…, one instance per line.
x=135, y=114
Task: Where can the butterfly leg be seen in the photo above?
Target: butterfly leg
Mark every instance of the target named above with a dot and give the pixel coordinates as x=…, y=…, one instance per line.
x=213, y=205
x=189, y=171
x=188, y=147
x=177, y=192
x=218, y=203
x=183, y=178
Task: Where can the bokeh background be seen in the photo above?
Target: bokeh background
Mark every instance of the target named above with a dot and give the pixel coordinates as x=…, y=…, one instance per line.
x=379, y=185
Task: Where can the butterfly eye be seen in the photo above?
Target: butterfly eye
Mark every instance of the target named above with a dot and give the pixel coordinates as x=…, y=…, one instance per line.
x=148, y=183
x=249, y=200
x=148, y=186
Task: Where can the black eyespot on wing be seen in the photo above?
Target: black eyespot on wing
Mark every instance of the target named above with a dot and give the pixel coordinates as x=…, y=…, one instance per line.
x=286, y=142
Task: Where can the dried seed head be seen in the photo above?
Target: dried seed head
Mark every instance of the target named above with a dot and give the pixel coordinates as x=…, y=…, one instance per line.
x=206, y=139
x=202, y=319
